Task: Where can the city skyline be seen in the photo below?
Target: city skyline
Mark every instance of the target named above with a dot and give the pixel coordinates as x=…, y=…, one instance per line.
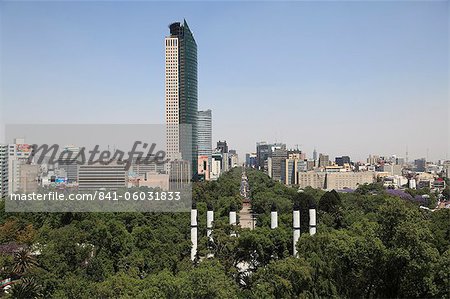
x=357, y=79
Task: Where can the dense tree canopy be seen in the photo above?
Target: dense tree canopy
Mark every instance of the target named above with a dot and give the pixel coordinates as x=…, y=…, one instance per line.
x=368, y=244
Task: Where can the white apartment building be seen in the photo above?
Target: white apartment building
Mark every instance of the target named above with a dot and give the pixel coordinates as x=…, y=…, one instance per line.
x=334, y=180
x=3, y=170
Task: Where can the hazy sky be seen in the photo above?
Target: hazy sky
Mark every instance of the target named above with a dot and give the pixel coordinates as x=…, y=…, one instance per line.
x=345, y=77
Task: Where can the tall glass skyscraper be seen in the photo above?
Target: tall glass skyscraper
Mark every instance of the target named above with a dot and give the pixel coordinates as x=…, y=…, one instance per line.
x=181, y=94
x=205, y=133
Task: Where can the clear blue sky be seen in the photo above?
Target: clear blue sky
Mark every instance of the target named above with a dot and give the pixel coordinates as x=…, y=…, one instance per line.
x=347, y=77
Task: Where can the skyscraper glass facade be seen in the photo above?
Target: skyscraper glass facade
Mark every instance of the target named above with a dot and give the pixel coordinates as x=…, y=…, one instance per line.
x=205, y=133
x=187, y=89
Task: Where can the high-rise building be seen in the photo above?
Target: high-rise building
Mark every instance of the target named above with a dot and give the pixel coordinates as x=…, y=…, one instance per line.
x=262, y=153
x=222, y=146
x=250, y=160
x=342, y=160
x=3, y=170
x=18, y=154
x=420, y=164
x=181, y=94
x=68, y=161
x=276, y=146
x=294, y=163
x=296, y=154
x=233, y=158
x=216, y=164
x=225, y=162
x=302, y=166
x=324, y=160
x=400, y=161
x=373, y=159
x=205, y=133
x=278, y=156
x=289, y=171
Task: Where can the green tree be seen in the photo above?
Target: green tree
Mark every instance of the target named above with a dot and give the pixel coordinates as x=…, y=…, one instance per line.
x=287, y=278
x=208, y=281
x=446, y=192
x=330, y=203
x=26, y=288
x=440, y=229
x=23, y=261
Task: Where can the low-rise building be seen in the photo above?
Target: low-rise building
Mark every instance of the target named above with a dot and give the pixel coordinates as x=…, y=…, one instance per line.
x=439, y=183
x=447, y=169
x=335, y=180
x=203, y=167
x=154, y=180
x=95, y=177
x=28, y=178
x=392, y=169
x=314, y=179
x=179, y=175
x=396, y=181
x=350, y=180
x=424, y=184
